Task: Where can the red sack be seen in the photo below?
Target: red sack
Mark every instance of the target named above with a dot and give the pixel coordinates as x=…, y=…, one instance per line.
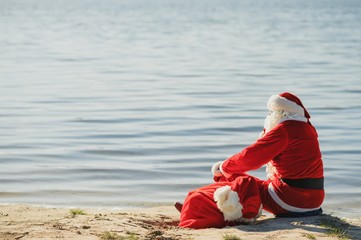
x=222, y=204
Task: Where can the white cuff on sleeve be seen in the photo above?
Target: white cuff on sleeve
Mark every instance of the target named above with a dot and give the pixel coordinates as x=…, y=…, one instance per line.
x=216, y=170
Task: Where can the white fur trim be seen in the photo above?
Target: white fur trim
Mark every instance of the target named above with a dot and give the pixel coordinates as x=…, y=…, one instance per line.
x=227, y=175
x=277, y=102
x=216, y=169
x=284, y=205
x=294, y=117
x=228, y=202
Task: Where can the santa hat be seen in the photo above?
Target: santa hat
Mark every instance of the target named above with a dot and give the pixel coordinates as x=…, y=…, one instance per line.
x=288, y=102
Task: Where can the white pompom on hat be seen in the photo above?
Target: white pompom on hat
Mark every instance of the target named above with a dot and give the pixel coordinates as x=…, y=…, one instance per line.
x=287, y=102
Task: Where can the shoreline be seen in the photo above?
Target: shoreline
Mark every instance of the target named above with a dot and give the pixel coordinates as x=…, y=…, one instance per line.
x=157, y=223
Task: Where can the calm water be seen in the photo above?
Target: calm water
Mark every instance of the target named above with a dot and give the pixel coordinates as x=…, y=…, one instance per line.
x=128, y=103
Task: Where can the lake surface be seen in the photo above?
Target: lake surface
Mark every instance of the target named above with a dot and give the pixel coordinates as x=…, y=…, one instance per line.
x=122, y=104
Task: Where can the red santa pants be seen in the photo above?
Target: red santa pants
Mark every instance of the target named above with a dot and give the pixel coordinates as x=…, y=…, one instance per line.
x=305, y=200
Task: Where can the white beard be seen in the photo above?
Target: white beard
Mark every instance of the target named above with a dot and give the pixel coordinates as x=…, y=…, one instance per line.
x=278, y=116
x=272, y=120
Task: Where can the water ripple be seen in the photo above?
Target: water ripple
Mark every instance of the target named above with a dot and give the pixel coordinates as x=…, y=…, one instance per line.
x=102, y=110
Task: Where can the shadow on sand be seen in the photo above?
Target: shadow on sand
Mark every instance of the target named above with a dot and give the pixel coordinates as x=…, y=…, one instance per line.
x=324, y=224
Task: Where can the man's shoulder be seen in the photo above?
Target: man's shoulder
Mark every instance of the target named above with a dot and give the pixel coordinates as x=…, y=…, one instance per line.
x=290, y=126
x=297, y=128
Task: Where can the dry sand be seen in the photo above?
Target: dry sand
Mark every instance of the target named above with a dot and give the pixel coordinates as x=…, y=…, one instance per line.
x=160, y=223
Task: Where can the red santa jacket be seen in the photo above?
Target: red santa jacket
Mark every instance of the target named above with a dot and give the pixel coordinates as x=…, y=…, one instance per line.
x=293, y=149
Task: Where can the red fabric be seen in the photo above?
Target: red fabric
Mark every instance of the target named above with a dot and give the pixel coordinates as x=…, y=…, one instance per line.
x=297, y=197
x=292, y=145
x=294, y=150
x=268, y=203
x=201, y=211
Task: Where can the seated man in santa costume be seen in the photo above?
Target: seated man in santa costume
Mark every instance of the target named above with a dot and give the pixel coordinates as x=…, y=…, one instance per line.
x=290, y=149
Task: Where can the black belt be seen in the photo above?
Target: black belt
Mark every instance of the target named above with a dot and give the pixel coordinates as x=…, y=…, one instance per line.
x=306, y=183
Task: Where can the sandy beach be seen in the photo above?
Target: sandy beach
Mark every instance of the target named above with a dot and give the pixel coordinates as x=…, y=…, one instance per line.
x=159, y=223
